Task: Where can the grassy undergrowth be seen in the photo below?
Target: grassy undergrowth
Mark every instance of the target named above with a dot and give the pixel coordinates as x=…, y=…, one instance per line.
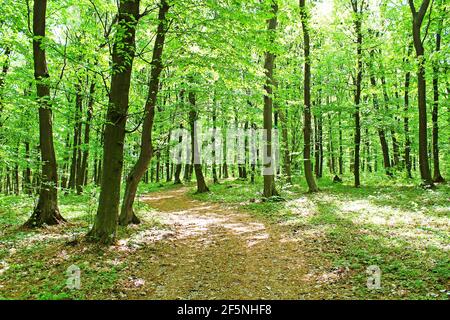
x=393, y=224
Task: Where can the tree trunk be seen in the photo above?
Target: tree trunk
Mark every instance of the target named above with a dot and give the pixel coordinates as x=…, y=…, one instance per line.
x=105, y=225
x=358, y=79
x=177, y=179
x=437, y=177
x=75, y=165
x=406, y=121
x=214, y=119
x=134, y=177
x=285, y=140
x=46, y=210
x=193, y=116
x=421, y=90
x=87, y=128
x=312, y=186
x=341, y=148
x=268, y=163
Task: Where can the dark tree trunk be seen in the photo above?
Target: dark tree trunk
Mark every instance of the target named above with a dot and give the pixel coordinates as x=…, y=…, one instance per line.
x=214, y=170
x=421, y=90
x=312, y=186
x=105, y=225
x=127, y=215
x=46, y=210
x=75, y=165
x=395, y=147
x=406, y=121
x=268, y=163
x=380, y=126
x=437, y=177
x=87, y=128
x=341, y=148
x=193, y=116
x=27, y=173
x=178, y=166
x=358, y=79
x=285, y=140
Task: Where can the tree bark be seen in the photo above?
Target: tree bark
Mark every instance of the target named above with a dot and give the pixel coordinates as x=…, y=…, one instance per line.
x=105, y=225
x=46, y=210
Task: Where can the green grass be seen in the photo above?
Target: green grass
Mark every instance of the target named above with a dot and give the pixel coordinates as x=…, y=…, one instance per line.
x=392, y=223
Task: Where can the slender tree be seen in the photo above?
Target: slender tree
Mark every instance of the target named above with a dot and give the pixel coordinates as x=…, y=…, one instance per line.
x=312, y=186
x=357, y=6
x=140, y=167
x=269, y=167
x=437, y=177
x=105, y=225
x=418, y=17
x=46, y=210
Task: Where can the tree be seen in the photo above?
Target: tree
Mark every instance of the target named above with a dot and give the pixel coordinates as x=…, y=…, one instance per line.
x=421, y=89
x=357, y=6
x=127, y=215
x=312, y=186
x=269, y=180
x=46, y=210
x=105, y=225
x=437, y=177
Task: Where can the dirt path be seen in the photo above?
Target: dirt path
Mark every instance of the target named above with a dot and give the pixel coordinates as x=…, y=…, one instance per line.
x=213, y=252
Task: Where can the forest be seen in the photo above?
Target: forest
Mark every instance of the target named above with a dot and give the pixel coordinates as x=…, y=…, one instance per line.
x=224, y=149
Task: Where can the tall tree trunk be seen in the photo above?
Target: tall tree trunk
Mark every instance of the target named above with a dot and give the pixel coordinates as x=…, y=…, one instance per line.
x=380, y=125
x=358, y=79
x=268, y=163
x=341, y=147
x=46, y=210
x=312, y=186
x=285, y=140
x=178, y=166
x=437, y=177
x=214, y=119
x=406, y=120
x=127, y=215
x=105, y=225
x=75, y=165
x=193, y=116
x=87, y=128
x=395, y=152
x=27, y=173
x=421, y=90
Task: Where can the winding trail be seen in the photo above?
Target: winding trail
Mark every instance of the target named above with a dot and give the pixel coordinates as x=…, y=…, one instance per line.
x=211, y=251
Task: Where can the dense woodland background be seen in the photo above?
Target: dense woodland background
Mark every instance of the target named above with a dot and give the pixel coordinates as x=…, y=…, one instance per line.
x=91, y=91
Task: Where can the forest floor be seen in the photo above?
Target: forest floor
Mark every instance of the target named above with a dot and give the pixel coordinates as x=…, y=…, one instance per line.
x=228, y=244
